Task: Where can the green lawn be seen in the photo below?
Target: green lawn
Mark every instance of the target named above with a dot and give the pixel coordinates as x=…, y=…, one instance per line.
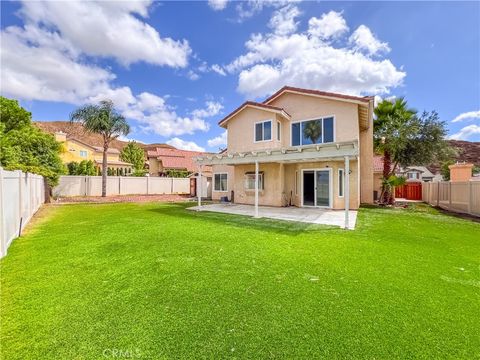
x=158, y=281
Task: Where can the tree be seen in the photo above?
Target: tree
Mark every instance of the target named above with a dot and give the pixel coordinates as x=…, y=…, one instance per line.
x=406, y=139
x=25, y=147
x=313, y=130
x=102, y=119
x=133, y=154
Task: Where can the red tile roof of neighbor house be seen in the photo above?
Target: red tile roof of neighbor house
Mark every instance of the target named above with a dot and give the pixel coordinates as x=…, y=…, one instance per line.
x=365, y=99
x=175, y=158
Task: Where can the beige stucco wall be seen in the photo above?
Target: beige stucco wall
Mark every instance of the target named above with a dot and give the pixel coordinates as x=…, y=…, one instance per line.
x=302, y=107
x=377, y=182
x=241, y=131
x=71, y=152
x=216, y=195
x=279, y=183
x=154, y=166
x=366, y=162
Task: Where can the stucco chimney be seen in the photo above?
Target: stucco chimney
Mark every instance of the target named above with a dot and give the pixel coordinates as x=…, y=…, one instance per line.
x=460, y=172
x=60, y=136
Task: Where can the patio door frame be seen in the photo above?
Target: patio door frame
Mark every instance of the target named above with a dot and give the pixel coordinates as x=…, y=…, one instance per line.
x=330, y=188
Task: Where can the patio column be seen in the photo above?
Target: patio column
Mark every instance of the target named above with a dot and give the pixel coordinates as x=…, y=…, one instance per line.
x=346, y=189
x=199, y=187
x=256, y=189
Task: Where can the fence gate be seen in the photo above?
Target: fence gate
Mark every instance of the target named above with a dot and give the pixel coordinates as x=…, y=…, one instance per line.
x=409, y=191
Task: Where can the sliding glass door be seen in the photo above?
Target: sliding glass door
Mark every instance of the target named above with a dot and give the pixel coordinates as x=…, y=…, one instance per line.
x=316, y=188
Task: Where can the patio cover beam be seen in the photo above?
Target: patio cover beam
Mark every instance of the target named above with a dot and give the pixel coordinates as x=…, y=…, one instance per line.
x=346, y=189
x=306, y=153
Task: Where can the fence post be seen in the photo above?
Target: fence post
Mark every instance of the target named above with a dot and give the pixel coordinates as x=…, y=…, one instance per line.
x=438, y=194
x=119, y=185
x=449, y=195
x=3, y=230
x=148, y=184
x=20, y=196
x=171, y=186
x=470, y=196
x=87, y=185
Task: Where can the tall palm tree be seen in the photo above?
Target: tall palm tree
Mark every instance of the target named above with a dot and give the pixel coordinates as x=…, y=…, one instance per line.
x=102, y=119
x=313, y=130
x=393, y=123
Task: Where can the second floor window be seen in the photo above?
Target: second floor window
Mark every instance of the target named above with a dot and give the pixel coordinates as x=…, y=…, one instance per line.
x=263, y=131
x=83, y=153
x=313, y=131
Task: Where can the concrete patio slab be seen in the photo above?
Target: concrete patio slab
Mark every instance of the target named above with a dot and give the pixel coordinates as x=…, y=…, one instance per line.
x=305, y=215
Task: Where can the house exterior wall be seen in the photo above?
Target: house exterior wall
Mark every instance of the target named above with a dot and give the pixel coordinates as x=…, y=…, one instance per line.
x=366, y=162
x=155, y=166
x=216, y=195
x=304, y=107
x=71, y=152
x=279, y=183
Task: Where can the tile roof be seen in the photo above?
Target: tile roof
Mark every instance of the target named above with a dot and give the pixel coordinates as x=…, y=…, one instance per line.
x=175, y=158
x=365, y=99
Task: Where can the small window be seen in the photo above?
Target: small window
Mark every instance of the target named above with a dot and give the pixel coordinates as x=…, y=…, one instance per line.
x=250, y=181
x=341, y=183
x=83, y=153
x=279, y=130
x=220, y=182
x=263, y=131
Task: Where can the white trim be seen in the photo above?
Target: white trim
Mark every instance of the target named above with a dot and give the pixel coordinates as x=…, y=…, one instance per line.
x=338, y=181
x=330, y=184
x=213, y=177
x=263, y=130
x=315, y=118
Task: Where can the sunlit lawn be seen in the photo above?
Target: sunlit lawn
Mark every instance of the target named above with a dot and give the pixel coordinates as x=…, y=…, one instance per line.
x=157, y=281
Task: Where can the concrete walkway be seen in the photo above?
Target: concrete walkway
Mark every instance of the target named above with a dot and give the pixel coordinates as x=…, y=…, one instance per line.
x=305, y=215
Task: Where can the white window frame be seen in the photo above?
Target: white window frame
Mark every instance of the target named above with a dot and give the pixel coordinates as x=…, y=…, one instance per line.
x=306, y=120
x=343, y=181
x=83, y=152
x=263, y=131
x=214, y=182
x=261, y=180
x=279, y=131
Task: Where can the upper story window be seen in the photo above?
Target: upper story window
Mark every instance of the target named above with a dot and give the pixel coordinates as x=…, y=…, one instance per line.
x=413, y=175
x=279, y=130
x=263, y=131
x=83, y=153
x=316, y=131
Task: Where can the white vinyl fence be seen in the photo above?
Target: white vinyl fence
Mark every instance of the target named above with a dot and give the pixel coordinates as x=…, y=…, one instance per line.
x=120, y=185
x=21, y=195
x=462, y=197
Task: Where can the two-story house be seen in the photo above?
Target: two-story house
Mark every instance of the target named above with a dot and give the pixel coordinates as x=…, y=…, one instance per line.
x=299, y=147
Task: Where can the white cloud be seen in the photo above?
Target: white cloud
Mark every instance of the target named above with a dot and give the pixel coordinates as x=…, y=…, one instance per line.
x=330, y=25
x=363, y=39
x=218, y=141
x=466, y=132
x=107, y=29
x=299, y=59
x=249, y=8
x=192, y=75
x=218, y=69
x=217, y=4
x=185, y=145
x=212, y=108
x=467, y=115
x=283, y=20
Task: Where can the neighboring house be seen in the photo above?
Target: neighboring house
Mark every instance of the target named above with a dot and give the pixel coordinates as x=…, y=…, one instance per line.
x=416, y=173
x=377, y=175
x=77, y=150
x=166, y=161
x=306, y=148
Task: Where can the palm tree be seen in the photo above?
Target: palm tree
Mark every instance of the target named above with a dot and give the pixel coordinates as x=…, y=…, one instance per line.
x=102, y=119
x=313, y=130
x=393, y=124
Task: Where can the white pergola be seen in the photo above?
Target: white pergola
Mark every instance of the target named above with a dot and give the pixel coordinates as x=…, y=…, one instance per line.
x=345, y=151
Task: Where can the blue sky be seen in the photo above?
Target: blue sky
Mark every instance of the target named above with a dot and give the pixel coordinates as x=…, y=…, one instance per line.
x=175, y=68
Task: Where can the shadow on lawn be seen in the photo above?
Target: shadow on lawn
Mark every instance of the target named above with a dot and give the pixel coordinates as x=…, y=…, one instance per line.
x=179, y=210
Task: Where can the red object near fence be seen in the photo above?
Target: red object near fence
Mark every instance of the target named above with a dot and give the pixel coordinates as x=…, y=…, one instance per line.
x=409, y=191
